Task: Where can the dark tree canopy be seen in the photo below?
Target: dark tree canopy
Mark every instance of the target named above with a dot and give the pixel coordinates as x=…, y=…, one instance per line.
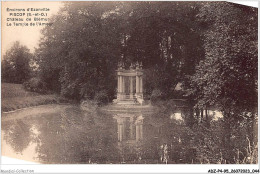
x=227, y=77
x=79, y=52
x=16, y=64
x=214, y=55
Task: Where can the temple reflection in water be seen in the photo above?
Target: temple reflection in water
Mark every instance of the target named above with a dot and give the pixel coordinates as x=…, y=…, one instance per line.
x=129, y=127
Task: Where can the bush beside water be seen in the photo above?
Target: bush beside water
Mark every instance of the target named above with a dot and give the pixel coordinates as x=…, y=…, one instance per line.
x=156, y=96
x=101, y=98
x=35, y=85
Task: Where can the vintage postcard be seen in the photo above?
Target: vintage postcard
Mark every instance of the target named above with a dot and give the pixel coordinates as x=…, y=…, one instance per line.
x=123, y=83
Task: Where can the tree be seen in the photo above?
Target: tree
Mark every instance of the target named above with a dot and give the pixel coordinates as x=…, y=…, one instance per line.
x=164, y=36
x=78, y=54
x=15, y=64
x=227, y=77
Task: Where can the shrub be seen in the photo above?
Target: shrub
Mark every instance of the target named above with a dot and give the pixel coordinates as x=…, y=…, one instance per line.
x=35, y=85
x=101, y=97
x=88, y=105
x=156, y=96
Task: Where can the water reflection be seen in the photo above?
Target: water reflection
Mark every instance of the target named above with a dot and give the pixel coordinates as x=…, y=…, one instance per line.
x=72, y=135
x=129, y=127
x=19, y=140
x=150, y=138
x=17, y=135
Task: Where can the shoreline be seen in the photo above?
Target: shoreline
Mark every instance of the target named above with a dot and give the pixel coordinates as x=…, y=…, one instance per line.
x=31, y=107
x=32, y=111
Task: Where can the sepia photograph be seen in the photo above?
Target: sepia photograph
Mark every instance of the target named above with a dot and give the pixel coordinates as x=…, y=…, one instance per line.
x=129, y=82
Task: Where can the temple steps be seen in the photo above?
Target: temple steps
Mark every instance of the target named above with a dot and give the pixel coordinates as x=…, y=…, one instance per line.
x=128, y=99
x=126, y=108
x=127, y=102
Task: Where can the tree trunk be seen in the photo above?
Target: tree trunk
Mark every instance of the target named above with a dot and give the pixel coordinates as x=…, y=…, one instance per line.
x=201, y=115
x=206, y=115
x=197, y=115
x=207, y=118
x=226, y=138
x=254, y=127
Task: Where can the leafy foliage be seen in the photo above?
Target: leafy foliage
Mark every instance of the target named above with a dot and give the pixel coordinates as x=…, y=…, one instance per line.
x=15, y=64
x=79, y=53
x=78, y=57
x=35, y=85
x=156, y=96
x=101, y=97
x=228, y=75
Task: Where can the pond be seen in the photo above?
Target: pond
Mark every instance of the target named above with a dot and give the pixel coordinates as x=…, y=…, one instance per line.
x=69, y=135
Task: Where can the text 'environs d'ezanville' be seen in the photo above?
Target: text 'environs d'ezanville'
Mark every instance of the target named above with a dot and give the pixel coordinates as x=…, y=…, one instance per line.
x=27, y=9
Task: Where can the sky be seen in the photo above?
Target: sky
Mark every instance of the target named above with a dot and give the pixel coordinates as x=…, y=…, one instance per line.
x=30, y=35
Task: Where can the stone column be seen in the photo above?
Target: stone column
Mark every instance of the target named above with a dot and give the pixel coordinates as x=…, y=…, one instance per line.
x=120, y=84
x=123, y=129
x=137, y=85
x=141, y=131
x=120, y=132
x=123, y=87
x=141, y=84
x=131, y=129
x=131, y=87
x=137, y=132
x=118, y=87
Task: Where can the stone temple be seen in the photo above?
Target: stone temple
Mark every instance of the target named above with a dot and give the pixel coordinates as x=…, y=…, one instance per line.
x=129, y=85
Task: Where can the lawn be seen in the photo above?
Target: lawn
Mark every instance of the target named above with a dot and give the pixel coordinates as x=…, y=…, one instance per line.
x=15, y=97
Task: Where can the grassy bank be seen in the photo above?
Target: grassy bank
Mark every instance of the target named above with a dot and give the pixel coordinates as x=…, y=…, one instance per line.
x=15, y=97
